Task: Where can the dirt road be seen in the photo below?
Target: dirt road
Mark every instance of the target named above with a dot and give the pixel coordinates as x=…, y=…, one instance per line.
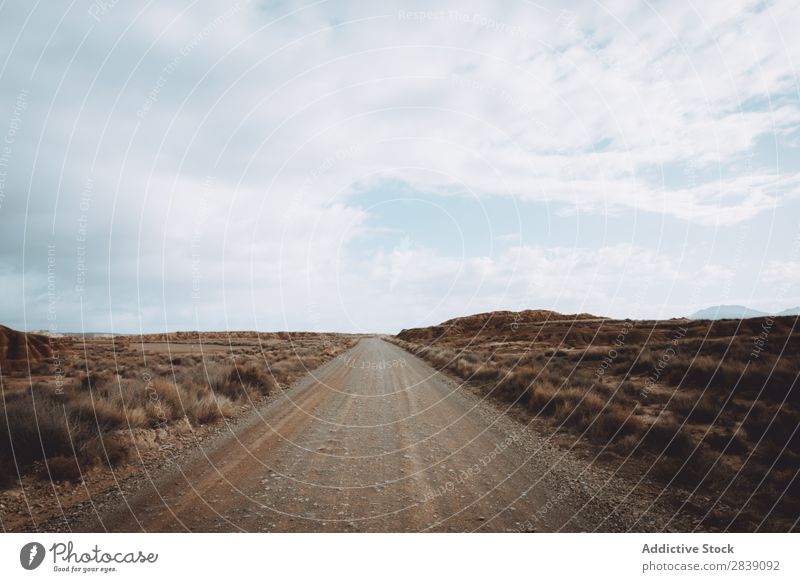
x=378, y=441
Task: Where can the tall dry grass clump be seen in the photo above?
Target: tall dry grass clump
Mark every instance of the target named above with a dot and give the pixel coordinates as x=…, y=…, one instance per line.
x=242, y=381
x=68, y=429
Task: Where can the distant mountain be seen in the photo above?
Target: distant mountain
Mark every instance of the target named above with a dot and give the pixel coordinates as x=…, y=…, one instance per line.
x=738, y=312
x=791, y=311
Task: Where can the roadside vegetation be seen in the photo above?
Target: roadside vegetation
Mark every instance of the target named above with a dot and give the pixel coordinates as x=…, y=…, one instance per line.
x=712, y=407
x=104, y=398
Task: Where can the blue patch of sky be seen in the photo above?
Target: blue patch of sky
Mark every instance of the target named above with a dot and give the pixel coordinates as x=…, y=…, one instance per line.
x=462, y=225
x=451, y=224
x=459, y=225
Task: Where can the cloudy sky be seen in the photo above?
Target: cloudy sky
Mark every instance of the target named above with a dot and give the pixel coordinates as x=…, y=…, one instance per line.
x=368, y=166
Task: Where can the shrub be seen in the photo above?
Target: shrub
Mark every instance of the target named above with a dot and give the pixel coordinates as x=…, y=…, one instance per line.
x=699, y=408
x=668, y=437
x=486, y=372
x=699, y=468
x=62, y=468
x=104, y=451
x=209, y=408
x=255, y=376
x=34, y=428
x=240, y=382
x=542, y=397
x=577, y=407
x=92, y=379
x=728, y=443
x=775, y=425
x=102, y=414
x=615, y=425
x=166, y=399
x=516, y=385
x=463, y=368
x=223, y=385
x=8, y=474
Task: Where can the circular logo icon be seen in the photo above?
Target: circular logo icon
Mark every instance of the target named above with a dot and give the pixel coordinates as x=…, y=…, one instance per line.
x=31, y=555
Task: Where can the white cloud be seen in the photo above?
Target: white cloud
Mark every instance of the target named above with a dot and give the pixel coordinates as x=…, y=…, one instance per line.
x=290, y=109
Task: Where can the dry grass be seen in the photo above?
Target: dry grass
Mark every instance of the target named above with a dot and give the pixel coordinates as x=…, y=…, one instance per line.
x=242, y=382
x=687, y=400
x=61, y=431
x=34, y=426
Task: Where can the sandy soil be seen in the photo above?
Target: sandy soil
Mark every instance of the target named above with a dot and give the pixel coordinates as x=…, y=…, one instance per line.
x=376, y=440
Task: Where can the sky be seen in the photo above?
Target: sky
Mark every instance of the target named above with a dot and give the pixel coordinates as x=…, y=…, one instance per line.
x=372, y=166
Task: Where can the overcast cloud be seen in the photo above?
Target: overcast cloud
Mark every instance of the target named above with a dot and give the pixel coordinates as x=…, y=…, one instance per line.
x=367, y=166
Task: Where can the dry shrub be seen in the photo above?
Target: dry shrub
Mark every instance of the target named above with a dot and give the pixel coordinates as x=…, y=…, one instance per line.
x=699, y=468
x=645, y=360
x=168, y=401
x=62, y=468
x=39, y=424
x=8, y=474
x=485, y=372
x=543, y=397
x=602, y=420
x=615, y=425
x=666, y=436
x=223, y=384
x=628, y=388
x=516, y=385
x=35, y=425
x=776, y=426
x=209, y=408
x=254, y=376
x=94, y=378
x=732, y=444
x=463, y=368
x=120, y=403
x=168, y=394
x=138, y=418
x=34, y=428
x=771, y=378
x=697, y=407
x=240, y=382
x=308, y=363
x=575, y=407
x=160, y=401
x=104, y=451
x=697, y=371
x=627, y=444
x=100, y=413
x=286, y=370
x=159, y=412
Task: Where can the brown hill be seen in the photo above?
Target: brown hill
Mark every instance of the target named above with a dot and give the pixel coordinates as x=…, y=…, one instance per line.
x=18, y=350
x=491, y=323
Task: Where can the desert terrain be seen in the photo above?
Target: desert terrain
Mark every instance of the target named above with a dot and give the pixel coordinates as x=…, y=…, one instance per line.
x=80, y=414
x=509, y=422
x=707, y=408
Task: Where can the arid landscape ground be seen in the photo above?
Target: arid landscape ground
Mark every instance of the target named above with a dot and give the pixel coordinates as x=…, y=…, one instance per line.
x=710, y=408
x=507, y=421
x=80, y=414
